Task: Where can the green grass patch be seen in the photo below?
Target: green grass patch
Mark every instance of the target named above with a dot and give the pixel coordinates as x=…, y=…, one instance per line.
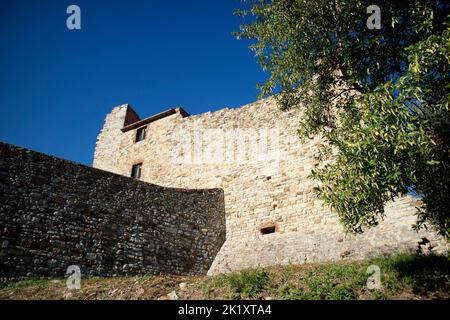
x=24, y=283
x=244, y=284
x=422, y=273
x=327, y=281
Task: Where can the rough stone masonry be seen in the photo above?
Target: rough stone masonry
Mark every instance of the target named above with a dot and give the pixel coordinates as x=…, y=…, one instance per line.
x=253, y=153
x=219, y=192
x=55, y=213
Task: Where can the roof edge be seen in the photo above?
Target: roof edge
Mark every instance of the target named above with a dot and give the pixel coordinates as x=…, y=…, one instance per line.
x=155, y=117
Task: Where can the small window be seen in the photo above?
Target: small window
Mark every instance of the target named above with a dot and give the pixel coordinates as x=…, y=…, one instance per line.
x=136, y=171
x=267, y=230
x=140, y=134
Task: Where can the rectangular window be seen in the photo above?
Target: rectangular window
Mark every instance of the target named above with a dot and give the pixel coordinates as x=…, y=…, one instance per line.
x=136, y=171
x=267, y=230
x=140, y=134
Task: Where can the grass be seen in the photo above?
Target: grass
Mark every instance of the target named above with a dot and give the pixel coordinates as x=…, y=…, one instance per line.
x=423, y=274
x=403, y=276
x=28, y=282
x=326, y=281
x=244, y=284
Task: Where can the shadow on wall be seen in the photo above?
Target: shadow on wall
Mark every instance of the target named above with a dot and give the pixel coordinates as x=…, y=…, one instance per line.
x=55, y=213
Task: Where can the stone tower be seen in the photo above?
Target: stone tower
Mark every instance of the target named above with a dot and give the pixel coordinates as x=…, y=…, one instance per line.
x=254, y=155
x=108, y=141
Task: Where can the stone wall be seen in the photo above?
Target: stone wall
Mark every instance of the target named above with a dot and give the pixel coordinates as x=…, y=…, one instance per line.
x=55, y=213
x=110, y=138
x=254, y=155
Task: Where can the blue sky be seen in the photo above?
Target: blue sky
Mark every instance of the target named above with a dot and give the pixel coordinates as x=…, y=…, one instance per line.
x=57, y=85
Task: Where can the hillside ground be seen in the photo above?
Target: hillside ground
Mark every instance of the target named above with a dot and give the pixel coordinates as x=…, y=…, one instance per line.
x=403, y=276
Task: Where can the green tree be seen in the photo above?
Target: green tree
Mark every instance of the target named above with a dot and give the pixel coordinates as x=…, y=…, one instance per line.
x=378, y=97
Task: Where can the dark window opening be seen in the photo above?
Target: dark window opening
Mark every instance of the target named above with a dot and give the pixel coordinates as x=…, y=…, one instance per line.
x=267, y=230
x=136, y=171
x=141, y=134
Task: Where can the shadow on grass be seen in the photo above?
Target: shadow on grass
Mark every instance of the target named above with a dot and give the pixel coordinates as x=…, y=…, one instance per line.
x=424, y=273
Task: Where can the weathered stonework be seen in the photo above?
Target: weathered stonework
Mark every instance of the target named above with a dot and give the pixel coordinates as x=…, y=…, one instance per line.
x=110, y=136
x=55, y=213
x=217, y=150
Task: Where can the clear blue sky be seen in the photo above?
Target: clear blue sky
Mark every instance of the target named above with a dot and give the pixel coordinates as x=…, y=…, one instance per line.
x=57, y=85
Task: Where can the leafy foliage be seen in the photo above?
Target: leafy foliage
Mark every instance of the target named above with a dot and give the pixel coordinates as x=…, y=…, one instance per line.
x=378, y=98
x=338, y=282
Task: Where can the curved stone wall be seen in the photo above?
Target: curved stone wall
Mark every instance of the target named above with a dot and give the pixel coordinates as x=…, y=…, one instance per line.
x=55, y=213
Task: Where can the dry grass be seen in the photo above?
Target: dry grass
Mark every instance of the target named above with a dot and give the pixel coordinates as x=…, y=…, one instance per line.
x=404, y=276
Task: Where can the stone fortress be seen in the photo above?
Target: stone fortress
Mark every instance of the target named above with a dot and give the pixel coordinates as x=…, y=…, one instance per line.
x=180, y=194
x=254, y=155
